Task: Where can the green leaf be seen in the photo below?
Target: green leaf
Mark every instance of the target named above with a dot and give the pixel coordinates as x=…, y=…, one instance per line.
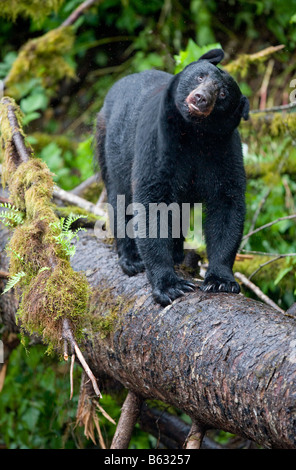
x=191, y=53
x=33, y=102
x=30, y=418
x=282, y=274
x=30, y=117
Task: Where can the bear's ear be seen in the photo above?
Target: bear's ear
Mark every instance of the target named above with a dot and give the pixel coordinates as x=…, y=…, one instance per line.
x=245, y=107
x=214, y=56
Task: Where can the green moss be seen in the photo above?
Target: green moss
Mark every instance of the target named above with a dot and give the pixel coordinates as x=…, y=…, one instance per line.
x=54, y=294
x=68, y=210
x=243, y=63
x=92, y=192
x=275, y=124
x=42, y=58
x=35, y=9
x=31, y=188
x=106, y=310
x=42, y=139
x=267, y=274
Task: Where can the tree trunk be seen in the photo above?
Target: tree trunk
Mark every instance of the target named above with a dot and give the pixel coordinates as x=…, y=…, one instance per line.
x=227, y=361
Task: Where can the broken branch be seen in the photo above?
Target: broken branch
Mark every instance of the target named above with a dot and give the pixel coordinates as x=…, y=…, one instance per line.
x=257, y=291
x=67, y=334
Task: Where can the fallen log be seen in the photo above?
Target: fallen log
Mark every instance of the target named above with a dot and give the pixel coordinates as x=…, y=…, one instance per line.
x=227, y=361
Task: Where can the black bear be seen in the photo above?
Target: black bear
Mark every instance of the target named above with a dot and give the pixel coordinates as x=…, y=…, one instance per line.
x=165, y=138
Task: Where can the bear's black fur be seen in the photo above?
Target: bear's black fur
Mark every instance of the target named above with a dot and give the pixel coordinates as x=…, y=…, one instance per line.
x=173, y=139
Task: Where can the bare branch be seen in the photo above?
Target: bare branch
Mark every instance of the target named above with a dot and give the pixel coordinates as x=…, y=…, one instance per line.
x=71, y=375
x=78, y=201
x=287, y=217
x=79, y=190
x=257, y=291
x=24, y=152
x=274, y=109
x=78, y=12
x=4, y=274
x=68, y=335
x=195, y=436
x=129, y=414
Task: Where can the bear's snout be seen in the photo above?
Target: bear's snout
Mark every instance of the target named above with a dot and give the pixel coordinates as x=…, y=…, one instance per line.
x=201, y=100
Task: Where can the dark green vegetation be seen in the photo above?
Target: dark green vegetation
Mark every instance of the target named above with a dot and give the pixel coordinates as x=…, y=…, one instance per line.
x=60, y=82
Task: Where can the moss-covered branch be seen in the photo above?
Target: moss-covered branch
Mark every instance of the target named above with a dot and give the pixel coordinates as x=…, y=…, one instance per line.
x=42, y=58
x=244, y=61
x=51, y=290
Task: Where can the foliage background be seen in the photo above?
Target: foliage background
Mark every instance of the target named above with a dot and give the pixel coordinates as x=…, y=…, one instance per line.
x=112, y=39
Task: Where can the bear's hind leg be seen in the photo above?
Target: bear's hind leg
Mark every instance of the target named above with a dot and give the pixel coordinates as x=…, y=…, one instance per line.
x=129, y=258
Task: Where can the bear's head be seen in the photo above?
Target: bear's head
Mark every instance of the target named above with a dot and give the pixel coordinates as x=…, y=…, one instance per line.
x=209, y=96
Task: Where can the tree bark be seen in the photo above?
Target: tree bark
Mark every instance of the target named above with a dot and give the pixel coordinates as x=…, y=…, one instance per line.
x=227, y=361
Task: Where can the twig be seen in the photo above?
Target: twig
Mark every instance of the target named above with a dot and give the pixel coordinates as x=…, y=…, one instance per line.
x=286, y=217
x=289, y=199
x=261, y=253
x=255, y=216
x=79, y=190
x=78, y=201
x=270, y=261
x=97, y=425
x=195, y=436
x=257, y=212
x=129, y=414
x=4, y=274
x=292, y=310
x=71, y=375
x=78, y=12
x=4, y=200
x=66, y=355
x=274, y=109
x=257, y=291
x=3, y=369
x=67, y=334
x=104, y=413
x=10, y=342
x=265, y=83
x=102, y=197
x=261, y=204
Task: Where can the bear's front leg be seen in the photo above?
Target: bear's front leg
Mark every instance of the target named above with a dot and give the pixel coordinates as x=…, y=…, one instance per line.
x=156, y=245
x=157, y=255
x=223, y=232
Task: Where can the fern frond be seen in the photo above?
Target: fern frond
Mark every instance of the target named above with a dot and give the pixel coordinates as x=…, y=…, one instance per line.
x=70, y=220
x=12, y=216
x=17, y=255
x=66, y=235
x=13, y=281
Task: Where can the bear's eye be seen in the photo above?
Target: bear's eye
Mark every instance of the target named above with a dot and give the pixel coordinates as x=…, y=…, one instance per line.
x=200, y=78
x=222, y=94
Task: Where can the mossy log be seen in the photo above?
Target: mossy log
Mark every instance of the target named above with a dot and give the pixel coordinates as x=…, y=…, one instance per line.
x=227, y=361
